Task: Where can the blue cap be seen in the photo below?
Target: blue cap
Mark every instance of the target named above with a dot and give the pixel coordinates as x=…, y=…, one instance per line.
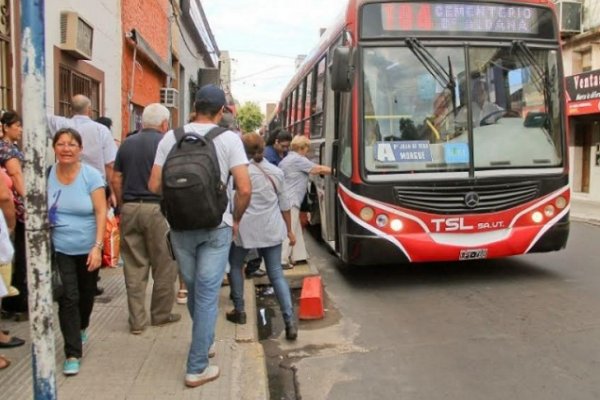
x=212, y=95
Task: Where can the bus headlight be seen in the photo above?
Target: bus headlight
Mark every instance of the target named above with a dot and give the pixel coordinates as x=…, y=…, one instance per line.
x=560, y=202
x=537, y=217
x=396, y=225
x=382, y=220
x=549, y=210
x=367, y=213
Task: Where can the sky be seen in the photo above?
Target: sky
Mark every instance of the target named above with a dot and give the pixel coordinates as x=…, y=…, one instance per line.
x=264, y=37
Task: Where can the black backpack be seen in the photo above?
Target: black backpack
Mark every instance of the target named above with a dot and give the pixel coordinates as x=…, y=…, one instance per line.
x=193, y=196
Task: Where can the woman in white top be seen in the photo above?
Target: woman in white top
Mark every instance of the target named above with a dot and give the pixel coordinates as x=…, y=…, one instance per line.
x=296, y=168
x=264, y=226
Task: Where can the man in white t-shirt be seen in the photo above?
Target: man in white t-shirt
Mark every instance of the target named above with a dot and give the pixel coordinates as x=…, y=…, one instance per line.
x=202, y=253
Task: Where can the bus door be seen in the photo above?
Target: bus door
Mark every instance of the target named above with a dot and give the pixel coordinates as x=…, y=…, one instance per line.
x=326, y=191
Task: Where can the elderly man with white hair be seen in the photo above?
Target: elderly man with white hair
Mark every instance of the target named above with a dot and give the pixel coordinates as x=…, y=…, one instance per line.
x=143, y=227
x=99, y=148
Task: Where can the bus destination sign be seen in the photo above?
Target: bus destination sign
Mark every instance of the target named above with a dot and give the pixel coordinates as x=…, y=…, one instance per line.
x=460, y=17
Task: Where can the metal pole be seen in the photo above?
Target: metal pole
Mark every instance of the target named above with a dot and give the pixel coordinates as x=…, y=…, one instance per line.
x=35, y=142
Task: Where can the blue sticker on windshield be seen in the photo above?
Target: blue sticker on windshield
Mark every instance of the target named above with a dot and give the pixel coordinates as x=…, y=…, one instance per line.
x=456, y=153
x=425, y=87
x=407, y=151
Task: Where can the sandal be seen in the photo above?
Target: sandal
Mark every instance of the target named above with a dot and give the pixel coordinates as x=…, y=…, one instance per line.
x=182, y=296
x=4, y=362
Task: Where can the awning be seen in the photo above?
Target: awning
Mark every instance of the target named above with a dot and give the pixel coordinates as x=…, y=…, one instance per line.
x=144, y=47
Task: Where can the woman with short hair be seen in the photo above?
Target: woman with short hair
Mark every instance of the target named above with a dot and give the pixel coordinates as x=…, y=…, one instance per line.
x=297, y=167
x=77, y=214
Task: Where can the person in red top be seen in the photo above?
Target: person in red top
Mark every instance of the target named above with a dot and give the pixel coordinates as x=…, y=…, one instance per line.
x=11, y=159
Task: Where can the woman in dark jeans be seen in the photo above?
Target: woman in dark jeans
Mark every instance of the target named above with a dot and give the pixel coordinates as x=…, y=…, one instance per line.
x=77, y=214
x=11, y=159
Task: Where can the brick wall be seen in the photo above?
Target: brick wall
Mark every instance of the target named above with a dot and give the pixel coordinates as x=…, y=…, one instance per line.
x=150, y=19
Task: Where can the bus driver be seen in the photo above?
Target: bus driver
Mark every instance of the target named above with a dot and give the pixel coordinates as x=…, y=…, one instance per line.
x=484, y=111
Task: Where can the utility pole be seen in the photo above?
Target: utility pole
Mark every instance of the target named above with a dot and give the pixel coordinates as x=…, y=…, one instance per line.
x=35, y=142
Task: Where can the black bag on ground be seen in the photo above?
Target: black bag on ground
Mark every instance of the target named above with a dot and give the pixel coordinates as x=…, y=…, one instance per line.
x=193, y=196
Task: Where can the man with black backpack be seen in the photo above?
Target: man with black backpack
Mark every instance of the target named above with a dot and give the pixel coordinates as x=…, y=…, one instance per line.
x=192, y=167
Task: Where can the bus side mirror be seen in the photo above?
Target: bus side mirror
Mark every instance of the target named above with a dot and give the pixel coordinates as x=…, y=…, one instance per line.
x=341, y=69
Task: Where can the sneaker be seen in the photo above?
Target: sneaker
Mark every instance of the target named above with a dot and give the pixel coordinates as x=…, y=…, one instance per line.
x=291, y=330
x=71, y=366
x=170, y=319
x=209, y=374
x=99, y=291
x=259, y=273
x=212, y=351
x=84, y=336
x=182, y=296
x=235, y=316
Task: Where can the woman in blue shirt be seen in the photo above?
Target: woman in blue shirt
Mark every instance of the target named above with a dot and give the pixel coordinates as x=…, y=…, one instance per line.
x=77, y=214
x=264, y=226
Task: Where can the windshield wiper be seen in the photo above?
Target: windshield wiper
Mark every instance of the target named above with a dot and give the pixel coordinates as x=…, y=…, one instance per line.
x=444, y=78
x=542, y=78
x=524, y=54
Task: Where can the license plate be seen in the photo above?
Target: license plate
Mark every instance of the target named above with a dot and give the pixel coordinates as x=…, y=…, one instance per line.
x=473, y=254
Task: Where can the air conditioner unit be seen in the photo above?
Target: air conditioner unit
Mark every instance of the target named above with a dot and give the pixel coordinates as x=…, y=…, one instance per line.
x=570, y=16
x=169, y=97
x=76, y=35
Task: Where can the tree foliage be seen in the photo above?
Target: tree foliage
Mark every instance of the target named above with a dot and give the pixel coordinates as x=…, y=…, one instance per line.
x=249, y=117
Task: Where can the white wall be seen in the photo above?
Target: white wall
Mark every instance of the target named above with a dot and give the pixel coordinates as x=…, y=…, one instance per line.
x=191, y=62
x=105, y=17
x=591, y=14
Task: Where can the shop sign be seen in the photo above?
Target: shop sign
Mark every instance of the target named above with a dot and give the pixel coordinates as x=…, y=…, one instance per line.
x=583, y=91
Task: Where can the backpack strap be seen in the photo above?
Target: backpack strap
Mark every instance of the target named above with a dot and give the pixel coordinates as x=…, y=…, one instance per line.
x=179, y=132
x=214, y=132
x=210, y=135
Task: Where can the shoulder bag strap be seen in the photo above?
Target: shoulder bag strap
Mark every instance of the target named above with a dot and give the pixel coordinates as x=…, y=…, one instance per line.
x=267, y=175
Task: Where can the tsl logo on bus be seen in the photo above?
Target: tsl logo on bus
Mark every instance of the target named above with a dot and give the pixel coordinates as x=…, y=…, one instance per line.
x=458, y=224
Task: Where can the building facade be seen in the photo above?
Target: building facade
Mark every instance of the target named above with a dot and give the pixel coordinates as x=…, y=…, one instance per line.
x=10, y=98
x=194, y=52
x=146, y=62
x=580, y=30
x=165, y=46
x=122, y=54
x=82, y=56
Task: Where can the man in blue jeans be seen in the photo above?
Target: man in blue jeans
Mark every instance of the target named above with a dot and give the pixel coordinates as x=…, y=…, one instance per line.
x=202, y=253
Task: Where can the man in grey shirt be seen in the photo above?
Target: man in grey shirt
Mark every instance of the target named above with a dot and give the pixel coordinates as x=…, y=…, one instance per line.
x=99, y=148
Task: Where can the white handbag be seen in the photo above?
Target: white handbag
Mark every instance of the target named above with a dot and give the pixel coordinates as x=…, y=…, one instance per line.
x=6, y=247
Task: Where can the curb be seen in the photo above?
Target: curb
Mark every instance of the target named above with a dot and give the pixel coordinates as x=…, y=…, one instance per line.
x=587, y=220
x=294, y=276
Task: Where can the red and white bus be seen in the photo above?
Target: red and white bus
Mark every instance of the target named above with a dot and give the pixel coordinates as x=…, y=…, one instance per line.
x=444, y=122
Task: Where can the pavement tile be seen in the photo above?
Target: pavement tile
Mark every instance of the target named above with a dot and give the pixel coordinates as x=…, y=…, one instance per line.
x=118, y=365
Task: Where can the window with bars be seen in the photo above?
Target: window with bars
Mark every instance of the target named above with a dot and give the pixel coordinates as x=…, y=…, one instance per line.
x=5, y=59
x=73, y=82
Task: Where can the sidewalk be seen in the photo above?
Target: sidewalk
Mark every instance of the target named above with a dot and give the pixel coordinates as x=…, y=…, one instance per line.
x=585, y=210
x=118, y=365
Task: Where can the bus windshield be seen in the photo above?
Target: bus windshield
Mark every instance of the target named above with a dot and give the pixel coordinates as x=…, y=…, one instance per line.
x=416, y=120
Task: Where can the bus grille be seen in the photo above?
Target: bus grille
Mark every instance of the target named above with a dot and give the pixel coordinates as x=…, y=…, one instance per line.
x=454, y=199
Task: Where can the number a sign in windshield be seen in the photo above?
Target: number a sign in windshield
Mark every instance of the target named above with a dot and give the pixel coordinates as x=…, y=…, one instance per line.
x=474, y=18
x=459, y=17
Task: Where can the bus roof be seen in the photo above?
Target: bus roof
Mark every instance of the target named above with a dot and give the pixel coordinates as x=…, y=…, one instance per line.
x=347, y=20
